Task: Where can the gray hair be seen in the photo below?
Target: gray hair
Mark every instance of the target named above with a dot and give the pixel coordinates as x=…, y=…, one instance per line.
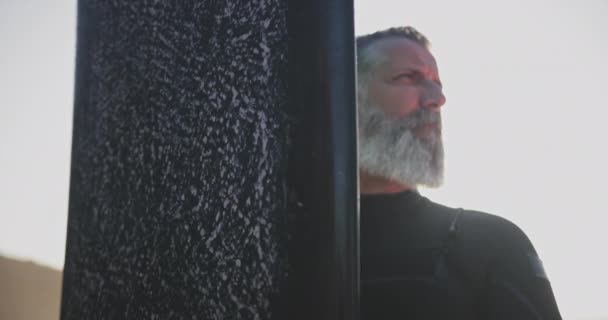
x=368, y=55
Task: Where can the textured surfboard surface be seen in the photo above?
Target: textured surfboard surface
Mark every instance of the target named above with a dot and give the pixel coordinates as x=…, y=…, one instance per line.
x=177, y=197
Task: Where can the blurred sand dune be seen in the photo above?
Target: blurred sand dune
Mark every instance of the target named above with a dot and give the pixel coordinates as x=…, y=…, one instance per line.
x=29, y=291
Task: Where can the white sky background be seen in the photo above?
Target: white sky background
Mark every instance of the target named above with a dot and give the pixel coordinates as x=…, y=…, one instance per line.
x=524, y=124
x=37, y=41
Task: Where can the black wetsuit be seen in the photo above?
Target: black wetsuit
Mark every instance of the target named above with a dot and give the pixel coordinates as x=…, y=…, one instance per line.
x=421, y=261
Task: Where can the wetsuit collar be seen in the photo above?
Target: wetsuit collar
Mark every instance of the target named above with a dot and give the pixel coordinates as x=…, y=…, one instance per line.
x=401, y=200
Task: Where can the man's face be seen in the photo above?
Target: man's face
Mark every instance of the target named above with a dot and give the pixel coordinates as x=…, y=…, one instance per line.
x=400, y=123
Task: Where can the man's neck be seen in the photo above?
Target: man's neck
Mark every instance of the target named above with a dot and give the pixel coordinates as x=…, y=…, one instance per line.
x=370, y=184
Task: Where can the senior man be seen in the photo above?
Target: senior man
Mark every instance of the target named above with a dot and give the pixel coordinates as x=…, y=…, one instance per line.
x=420, y=259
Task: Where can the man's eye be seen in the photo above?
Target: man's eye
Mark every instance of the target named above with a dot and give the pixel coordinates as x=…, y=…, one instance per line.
x=407, y=76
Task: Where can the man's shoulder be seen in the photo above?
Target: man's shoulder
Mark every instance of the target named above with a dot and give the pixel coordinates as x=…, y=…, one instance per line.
x=497, y=232
x=481, y=226
x=483, y=233
x=486, y=242
x=492, y=240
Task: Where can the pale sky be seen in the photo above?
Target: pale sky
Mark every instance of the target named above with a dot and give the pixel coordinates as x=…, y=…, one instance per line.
x=36, y=94
x=523, y=124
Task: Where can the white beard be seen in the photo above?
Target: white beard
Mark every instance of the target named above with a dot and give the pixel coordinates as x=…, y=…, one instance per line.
x=388, y=147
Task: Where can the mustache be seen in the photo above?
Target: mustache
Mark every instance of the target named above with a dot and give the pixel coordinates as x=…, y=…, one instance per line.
x=420, y=117
x=372, y=119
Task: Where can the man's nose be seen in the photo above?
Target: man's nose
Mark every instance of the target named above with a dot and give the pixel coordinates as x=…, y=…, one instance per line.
x=433, y=98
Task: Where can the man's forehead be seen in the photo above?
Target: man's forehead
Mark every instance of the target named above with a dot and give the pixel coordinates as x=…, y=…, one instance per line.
x=399, y=52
